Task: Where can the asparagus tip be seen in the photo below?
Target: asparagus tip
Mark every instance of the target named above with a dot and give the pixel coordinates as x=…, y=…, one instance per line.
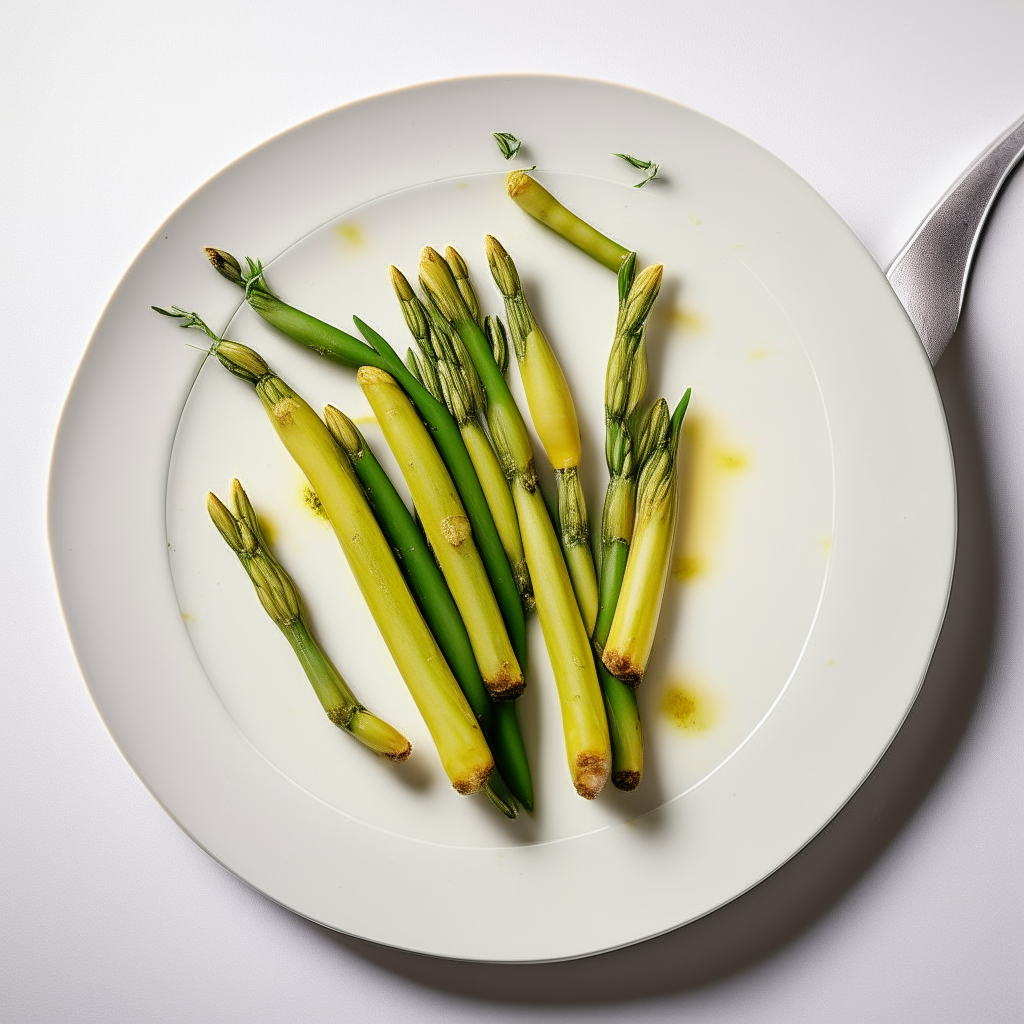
x=344, y=431
x=428, y=254
x=226, y=265
x=501, y=799
x=439, y=283
x=401, y=285
x=241, y=361
x=456, y=262
x=503, y=270
x=224, y=521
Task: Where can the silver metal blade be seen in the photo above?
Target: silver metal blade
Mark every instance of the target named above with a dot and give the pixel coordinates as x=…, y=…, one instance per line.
x=930, y=273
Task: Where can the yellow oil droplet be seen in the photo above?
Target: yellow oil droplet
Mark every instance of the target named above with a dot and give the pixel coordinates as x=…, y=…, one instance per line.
x=825, y=543
x=731, y=460
x=186, y=616
x=351, y=233
x=831, y=662
x=312, y=502
x=709, y=469
x=686, y=567
x=267, y=528
x=368, y=418
x=686, y=319
x=463, y=184
x=688, y=707
x=695, y=220
x=757, y=354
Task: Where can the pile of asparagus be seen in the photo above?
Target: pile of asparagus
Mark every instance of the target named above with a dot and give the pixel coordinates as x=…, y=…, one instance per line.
x=449, y=589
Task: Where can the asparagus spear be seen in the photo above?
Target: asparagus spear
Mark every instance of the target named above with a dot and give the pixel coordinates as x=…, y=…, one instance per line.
x=499, y=721
x=529, y=195
x=583, y=720
x=459, y=739
x=625, y=384
x=643, y=583
x=447, y=529
x=336, y=344
x=277, y=593
x=554, y=417
x=442, y=365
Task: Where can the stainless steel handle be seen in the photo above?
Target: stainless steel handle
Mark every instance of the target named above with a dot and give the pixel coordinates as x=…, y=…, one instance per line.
x=930, y=273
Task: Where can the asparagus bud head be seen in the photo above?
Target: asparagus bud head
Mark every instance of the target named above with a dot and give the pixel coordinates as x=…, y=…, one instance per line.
x=226, y=265
x=439, y=283
x=461, y=274
x=242, y=361
x=640, y=299
x=495, y=331
x=412, y=308
x=344, y=431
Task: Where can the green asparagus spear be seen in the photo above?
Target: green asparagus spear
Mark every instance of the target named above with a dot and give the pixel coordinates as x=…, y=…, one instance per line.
x=442, y=365
x=583, y=719
x=643, y=584
x=554, y=417
x=625, y=384
x=459, y=740
x=350, y=351
x=499, y=721
x=447, y=529
x=277, y=593
x=529, y=195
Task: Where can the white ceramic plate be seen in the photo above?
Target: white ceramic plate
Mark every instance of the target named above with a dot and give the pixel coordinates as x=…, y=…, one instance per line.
x=813, y=561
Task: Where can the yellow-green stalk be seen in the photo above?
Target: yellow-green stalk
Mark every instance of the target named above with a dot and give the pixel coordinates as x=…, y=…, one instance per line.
x=280, y=600
x=650, y=554
x=342, y=347
x=447, y=530
x=554, y=417
x=625, y=384
x=584, y=726
x=529, y=195
x=442, y=365
x=427, y=583
x=459, y=740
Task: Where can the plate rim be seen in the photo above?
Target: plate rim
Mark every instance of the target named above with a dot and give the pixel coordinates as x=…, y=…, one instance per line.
x=69, y=411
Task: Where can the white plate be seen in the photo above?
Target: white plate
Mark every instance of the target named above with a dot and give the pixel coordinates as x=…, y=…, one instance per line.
x=815, y=549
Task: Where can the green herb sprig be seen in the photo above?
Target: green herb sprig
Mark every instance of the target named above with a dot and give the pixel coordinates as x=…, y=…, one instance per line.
x=649, y=167
x=507, y=143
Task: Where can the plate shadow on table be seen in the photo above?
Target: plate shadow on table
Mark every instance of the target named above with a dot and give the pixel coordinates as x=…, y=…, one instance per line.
x=793, y=899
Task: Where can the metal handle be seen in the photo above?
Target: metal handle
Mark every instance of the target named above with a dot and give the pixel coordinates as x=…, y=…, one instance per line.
x=930, y=273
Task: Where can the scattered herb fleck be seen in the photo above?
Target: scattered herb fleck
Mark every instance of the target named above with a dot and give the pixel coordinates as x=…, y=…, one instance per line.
x=507, y=143
x=649, y=167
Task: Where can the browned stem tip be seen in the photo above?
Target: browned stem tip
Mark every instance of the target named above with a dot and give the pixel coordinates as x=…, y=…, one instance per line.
x=475, y=782
x=623, y=668
x=506, y=685
x=627, y=780
x=516, y=181
x=590, y=774
x=397, y=755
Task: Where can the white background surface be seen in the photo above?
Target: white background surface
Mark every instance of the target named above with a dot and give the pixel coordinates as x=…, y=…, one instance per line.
x=910, y=907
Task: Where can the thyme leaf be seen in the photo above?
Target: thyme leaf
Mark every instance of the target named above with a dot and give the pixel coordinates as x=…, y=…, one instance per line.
x=507, y=143
x=649, y=166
